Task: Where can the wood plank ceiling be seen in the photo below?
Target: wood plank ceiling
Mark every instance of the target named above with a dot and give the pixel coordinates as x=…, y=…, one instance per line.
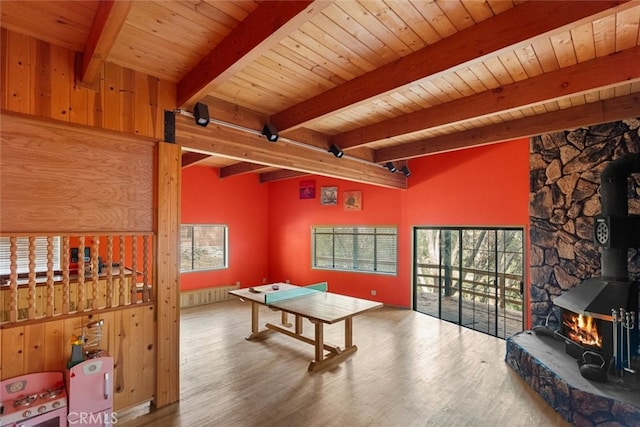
x=384, y=80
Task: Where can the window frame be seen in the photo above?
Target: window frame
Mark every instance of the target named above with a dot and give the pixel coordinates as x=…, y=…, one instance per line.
x=225, y=250
x=379, y=231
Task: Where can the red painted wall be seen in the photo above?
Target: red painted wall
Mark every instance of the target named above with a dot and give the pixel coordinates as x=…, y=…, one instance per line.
x=239, y=202
x=270, y=226
x=484, y=186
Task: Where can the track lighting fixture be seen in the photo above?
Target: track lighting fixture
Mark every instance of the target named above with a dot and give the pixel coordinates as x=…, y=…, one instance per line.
x=336, y=151
x=201, y=114
x=270, y=132
x=391, y=167
x=406, y=171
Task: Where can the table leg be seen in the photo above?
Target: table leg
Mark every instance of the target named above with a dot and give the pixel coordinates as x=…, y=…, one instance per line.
x=255, y=320
x=319, y=326
x=348, y=332
x=298, y=325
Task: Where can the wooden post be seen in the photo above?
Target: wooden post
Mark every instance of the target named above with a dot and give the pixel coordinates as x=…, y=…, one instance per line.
x=168, y=275
x=31, y=299
x=13, y=280
x=65, y=275
x=121, y=281
x=109, y=301
x=80, y=295
x=49, y=305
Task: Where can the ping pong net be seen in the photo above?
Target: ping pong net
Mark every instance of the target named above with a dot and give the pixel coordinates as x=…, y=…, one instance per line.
x=275, y=297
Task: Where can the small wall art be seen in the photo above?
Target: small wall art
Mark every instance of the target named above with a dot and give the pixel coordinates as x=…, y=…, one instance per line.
x=352, y=200
x=308, y=189
x=328, y=196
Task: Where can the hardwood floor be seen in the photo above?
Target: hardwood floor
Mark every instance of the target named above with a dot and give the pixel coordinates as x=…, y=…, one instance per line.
x=410, y=370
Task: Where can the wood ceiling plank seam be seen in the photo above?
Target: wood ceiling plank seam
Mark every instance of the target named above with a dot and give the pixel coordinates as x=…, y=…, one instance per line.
x=446, y=88
x=149, y=47
x=408, y=13
x=194, y=37
x=424, y=94
x=529, y=60
x=316, y=74
x=499, y=6
x=217, y=13
x=257, y=98
x=335, y=68
x=320, y=56
x=403, y=103
x=186, y=15
x=377, y=53
x=455, y=81
x=478, y=10
x=394, y=24
x=511, y=63
x=353, y=61
x=607, y=93
x=435, y=93
x=627, y=24
x=592, y=97
x=471, y=80
x=288, y=88
x=388, y=28
x=319, y=71
x=583, y=42
x=385, y=40
x=359, y=53
x=411, y=94
x=604, y=35
x=545, y=54
x=432, y=13
x=457, y=14
x=237, y=9
x=563, y=48
x=622, y=90
x=498, y=70
x=578, y=100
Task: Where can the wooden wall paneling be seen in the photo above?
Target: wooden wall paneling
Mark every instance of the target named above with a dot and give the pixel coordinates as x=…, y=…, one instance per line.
x=54, y=343
x=134, y=363
x=118, y=350
x=148, y=343
x=17, y=73
x=1, y=353
x=168, y=275
x=142, y=105
x=13, y=352
x=34, y=349
x=4, y=66
x=127, y=101
x=111, y=115
x=61, y=82
x=41, y=94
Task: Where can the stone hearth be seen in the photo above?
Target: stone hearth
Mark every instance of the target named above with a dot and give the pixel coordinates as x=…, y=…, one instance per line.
x=543, y=363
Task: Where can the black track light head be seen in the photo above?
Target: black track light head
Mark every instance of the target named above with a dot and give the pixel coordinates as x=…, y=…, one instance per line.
x=201, y=114
x=336, y=151
x=270, y=132
x=391, y=167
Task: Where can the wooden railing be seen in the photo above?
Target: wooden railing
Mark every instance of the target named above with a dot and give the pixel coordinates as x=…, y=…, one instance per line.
x=117, y=274
x=481, y=288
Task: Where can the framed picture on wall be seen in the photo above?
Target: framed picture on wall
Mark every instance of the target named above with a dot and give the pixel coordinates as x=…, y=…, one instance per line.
x=328, y=196
x=352, y=200
x=308, y=189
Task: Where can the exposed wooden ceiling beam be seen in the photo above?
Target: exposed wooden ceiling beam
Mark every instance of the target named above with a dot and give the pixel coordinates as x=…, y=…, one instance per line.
x=609, y=110
x=241, y=168
x=280, y=175
x=243, y=146
x=586, y=76
x=269, y=23
x=107, y=23
x=189, y=158
x=505, y=30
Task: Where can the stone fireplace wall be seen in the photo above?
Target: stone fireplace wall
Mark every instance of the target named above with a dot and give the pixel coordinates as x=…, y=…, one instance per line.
x=565, y=172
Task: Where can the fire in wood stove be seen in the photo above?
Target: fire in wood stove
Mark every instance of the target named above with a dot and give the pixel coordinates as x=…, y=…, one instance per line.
x=582, y=329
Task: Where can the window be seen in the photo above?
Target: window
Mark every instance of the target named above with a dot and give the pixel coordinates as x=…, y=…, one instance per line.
x=366, y=249
x=22, y=252
x=203, y=247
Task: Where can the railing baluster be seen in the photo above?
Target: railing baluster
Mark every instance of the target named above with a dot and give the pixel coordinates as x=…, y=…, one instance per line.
x=65, y=274
x=95, y=304
x=49, y=306
x=13, y=280
x=134, y=267
x=31, y=294
x=80, y=295
x=145, y=269
x=109, y=301
x=121, y=284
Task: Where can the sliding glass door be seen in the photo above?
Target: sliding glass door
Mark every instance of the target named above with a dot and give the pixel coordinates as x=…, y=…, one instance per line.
x=471, y=276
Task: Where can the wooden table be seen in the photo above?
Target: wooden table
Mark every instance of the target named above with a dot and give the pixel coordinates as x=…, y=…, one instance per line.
x=317, y=306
